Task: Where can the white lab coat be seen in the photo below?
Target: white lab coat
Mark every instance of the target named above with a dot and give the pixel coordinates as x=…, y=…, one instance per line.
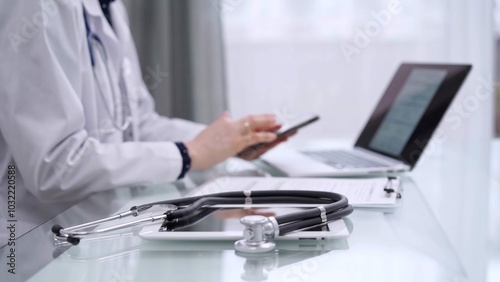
x=53, y=122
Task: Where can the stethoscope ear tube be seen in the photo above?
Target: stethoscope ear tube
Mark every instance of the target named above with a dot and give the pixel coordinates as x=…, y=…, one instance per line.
x=56, y=229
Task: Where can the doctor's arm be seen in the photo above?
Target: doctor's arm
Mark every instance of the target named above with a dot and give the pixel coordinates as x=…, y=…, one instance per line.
x=42, y=117
x=43, y=120
x=207, y=145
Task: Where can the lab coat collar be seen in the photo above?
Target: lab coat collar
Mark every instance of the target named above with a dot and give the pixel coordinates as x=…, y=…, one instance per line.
x=92, y=7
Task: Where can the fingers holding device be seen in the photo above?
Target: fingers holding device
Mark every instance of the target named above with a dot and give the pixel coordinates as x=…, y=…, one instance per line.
x=283, y=133
x=247, y=138
x=226, y=137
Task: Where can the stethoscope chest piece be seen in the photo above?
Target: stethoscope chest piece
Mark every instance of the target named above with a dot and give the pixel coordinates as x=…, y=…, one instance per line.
x=258, y=235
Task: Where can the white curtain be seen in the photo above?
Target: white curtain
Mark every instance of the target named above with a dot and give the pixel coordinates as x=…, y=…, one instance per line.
x=179, y=45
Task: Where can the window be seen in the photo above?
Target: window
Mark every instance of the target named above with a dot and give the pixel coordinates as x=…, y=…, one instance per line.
x=333, y=58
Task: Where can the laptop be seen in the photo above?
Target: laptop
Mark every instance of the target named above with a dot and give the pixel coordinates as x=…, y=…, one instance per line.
x=397, y=132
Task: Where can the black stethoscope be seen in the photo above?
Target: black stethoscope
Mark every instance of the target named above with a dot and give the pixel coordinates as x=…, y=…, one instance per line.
x=260, y=231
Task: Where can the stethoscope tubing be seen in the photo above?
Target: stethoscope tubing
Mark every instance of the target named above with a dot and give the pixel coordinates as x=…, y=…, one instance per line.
x=274, y=199
x=318, y=196
x=311, y=222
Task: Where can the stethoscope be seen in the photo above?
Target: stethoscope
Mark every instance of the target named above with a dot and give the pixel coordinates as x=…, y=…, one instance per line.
x=260, y=231
x=95, y=44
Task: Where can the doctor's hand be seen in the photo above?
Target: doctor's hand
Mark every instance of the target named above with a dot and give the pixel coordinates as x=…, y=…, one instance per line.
x=227, y=137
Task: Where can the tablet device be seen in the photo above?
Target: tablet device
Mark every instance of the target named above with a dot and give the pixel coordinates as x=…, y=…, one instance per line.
x=285, y=131
x=224, y=224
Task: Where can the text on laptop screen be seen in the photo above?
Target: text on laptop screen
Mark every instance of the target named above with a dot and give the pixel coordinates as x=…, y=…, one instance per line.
x=410, y=105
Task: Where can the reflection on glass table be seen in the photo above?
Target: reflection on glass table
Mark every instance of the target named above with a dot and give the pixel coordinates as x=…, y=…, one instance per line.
x=407, y=245
x=155, y=254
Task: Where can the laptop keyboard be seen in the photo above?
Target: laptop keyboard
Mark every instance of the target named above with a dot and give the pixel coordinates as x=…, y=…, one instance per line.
x=343, y=159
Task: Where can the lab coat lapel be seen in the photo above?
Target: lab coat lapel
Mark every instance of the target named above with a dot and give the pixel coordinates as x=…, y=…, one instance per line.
x=99, y=25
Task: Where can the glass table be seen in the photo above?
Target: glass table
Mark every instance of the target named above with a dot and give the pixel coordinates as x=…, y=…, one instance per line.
x=439, y=233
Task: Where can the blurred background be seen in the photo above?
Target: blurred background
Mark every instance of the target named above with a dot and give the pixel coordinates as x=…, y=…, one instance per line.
x=332, y=58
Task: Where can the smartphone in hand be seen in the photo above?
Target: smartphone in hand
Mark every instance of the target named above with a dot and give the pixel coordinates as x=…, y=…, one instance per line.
x=283, y=132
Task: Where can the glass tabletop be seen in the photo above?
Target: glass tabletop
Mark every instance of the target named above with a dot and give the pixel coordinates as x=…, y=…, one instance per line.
x=433, y=236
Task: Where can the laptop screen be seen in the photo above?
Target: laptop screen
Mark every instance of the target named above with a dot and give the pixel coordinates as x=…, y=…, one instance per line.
x=408, y=108
x=411, y=109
